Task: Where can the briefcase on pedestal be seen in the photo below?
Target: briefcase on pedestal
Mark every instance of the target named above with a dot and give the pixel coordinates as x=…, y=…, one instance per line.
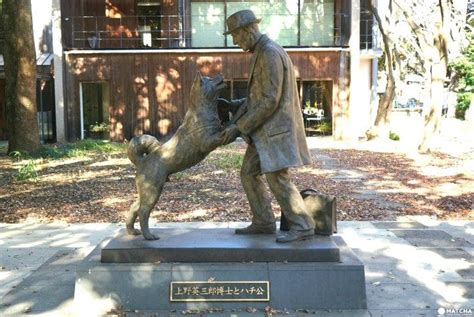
x=323, y=210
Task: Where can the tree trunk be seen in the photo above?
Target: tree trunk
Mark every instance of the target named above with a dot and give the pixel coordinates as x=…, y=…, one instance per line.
x=382, y=119
x=433, y=111
x=381, y=125
x=20, y=76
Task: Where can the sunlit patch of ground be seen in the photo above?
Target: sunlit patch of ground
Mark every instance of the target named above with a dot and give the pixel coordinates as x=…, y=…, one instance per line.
x=371, y=180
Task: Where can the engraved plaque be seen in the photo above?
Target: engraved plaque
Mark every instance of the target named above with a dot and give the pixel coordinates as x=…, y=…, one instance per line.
x=220, y=291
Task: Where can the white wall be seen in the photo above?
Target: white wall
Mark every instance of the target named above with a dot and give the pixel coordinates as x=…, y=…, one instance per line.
x=58, y=72
x=362, y=104
x=361, y=112
x=349, y=125
x=42, y=18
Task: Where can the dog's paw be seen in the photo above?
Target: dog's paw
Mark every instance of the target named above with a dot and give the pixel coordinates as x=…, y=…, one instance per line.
x=150, y=236
x=133, y=231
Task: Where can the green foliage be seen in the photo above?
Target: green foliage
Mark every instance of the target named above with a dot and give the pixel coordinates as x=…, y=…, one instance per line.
x=52, y=151
x=27, y=171
x=228, y=160
x=325, y=127
x=381, y=62
x=393, y=136
x=18, y=155
x=464, y=86
x=79, y=149
x=463, y=102
x=310, y=109
x=82, y=148
x=99, y=127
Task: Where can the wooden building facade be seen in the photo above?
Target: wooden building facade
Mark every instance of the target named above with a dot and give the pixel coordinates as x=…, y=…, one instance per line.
x=125, y=67
x=148, y=92
x=136, y=78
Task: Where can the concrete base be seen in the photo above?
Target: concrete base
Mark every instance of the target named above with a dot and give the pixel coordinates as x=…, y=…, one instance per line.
x=293, y=285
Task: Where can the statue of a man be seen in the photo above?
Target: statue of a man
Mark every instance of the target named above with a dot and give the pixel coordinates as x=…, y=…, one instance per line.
x=271, y=122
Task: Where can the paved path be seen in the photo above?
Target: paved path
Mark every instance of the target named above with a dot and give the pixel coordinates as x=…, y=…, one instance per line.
x=416, y=267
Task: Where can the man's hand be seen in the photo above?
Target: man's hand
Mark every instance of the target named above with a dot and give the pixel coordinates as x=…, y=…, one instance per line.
x=229, y=134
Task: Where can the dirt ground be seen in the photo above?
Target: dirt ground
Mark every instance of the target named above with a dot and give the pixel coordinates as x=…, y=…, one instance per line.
x=372, y=180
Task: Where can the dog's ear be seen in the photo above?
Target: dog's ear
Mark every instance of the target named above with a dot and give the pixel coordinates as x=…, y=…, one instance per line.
x=196, y=87
x=198, y=78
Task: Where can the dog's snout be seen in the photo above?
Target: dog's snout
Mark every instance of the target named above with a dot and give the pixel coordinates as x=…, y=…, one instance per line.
x=219, y=82
x=219, y=78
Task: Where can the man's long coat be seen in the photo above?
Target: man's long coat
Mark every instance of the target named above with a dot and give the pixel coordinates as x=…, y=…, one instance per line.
x=271, y=115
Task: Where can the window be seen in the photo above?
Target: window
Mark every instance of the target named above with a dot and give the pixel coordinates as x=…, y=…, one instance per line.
x=94, y=98
x=45, y=105
x=366, y=25
x=239, y=89
x=236, y=89
x=288, y=22
x=317, y=23
x=207, y=22
x=317, y=106
x=317, y=94
x=279, y=18
x=149, y=23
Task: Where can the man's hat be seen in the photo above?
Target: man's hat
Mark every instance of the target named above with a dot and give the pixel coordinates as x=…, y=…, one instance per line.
x=240, y=19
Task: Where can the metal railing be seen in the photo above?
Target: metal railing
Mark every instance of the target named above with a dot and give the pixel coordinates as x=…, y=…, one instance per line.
x=161, y=31
x=125, y=32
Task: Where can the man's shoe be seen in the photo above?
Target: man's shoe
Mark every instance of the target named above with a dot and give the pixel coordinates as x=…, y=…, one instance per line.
x=294, y=235
x=257, y=229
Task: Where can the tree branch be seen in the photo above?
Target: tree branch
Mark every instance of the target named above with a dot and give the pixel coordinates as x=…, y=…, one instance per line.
x=422, y=41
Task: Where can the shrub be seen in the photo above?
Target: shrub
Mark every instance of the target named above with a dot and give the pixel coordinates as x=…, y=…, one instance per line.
x=79, y=149
x=99, y=127
x=393, y=136
x=464, y=84
x=325, y=127
x=27, y=171
x=463, y=103
x=18, y=155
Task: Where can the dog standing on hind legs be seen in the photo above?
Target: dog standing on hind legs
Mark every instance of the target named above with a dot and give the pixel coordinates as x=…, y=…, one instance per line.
x=199, y=134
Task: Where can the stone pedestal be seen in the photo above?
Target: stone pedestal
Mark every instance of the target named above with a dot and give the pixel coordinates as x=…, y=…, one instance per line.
x=135, y=274
x=216, y=245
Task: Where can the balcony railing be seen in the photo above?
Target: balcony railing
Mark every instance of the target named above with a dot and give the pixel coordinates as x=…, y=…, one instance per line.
x=86, y=32
x=175, y=31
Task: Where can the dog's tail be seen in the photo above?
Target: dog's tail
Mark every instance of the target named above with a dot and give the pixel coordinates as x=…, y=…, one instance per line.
x=140, y=146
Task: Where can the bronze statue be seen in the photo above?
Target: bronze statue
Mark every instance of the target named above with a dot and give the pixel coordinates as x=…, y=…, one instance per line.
x=271, y=122
x=200, y=133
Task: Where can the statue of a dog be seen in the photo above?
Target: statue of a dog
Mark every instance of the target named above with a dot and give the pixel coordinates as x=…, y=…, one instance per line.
x=199, y=134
